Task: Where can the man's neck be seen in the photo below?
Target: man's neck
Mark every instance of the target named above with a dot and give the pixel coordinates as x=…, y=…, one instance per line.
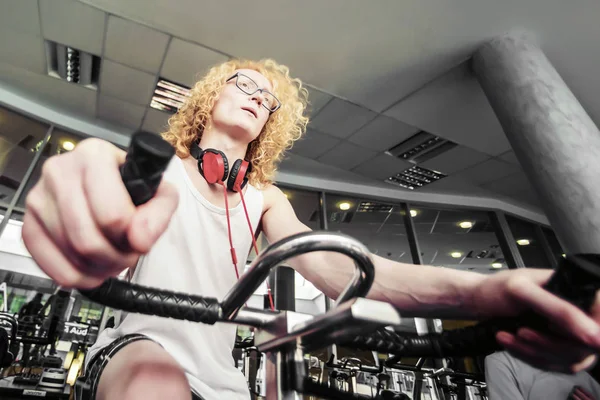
x=232, y=148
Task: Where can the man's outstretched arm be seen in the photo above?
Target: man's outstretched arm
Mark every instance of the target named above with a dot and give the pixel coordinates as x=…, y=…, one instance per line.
x=444, y=293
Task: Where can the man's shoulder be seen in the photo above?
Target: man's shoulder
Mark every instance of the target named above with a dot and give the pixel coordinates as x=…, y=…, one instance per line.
x=272, y=195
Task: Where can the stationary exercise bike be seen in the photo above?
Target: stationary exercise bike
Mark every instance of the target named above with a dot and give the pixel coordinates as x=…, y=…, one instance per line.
x=354, y=321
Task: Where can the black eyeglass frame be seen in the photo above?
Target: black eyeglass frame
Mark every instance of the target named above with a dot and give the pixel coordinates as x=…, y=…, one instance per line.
x=258, y=89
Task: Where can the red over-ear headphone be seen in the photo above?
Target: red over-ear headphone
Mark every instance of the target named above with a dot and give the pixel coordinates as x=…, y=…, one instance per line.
x=214, y=167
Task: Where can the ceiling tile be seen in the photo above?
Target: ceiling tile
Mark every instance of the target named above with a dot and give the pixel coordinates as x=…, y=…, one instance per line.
x=346, y=156
x=21, y=16
x=528, y=196
x=23, y=50
x=509, y=185
x=341, y=118
x=314, y=144
x=297, y=165
x=120, y=112
x=454, y=107
x=186, y=62
x=51, y=91
x=156, y=121
x=382, y=167
x=316, y=101
x=135, y=45
x=72, y=23
x=455, y=185
x=455, y=159
x=382, y=133
x=509, y=157
x=125, y=83
x=488, y=171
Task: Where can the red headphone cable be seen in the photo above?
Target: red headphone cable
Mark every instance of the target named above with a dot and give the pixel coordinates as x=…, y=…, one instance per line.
x=232, y=249
x=256, y=248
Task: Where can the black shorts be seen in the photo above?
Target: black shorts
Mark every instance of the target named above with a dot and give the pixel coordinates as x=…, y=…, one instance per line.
x=87, y=385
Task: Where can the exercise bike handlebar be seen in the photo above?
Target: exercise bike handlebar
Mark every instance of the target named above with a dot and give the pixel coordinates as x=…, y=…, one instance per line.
x=296, y=245
x=147, y=159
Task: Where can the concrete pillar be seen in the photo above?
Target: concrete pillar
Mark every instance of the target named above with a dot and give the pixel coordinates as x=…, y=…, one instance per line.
x=553, y=137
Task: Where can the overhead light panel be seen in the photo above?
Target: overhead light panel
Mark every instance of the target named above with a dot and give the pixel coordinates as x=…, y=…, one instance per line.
x=169, y=96
x=72, y=65
x=496, y=265
x=415, y=177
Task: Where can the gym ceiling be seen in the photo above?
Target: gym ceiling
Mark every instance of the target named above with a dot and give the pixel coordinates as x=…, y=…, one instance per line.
x=378, y=72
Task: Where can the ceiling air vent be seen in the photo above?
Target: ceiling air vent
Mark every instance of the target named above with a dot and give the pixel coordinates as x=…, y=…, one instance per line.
x=72, y=65
x=421, y=147
x=169, y=96
x=371, y=206
x=415, y=177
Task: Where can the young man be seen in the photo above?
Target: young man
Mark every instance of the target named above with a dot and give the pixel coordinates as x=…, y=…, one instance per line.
x=510, y=378
x=79, y=212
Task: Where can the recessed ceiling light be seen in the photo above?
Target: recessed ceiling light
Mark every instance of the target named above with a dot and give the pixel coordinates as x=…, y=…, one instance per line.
x=496, y=265
x=564, y=255
x=68, y=145
x=414, y=213
x=465, y=224
x=523, y=242
x=344, y=206
x=456, y=254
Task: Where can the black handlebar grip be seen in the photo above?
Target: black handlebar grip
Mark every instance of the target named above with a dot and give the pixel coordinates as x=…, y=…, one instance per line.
x=577, y=279
x=135, y=298
x=146, y=161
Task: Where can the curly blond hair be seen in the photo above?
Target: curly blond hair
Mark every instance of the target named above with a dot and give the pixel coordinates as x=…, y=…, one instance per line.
x=282, y=129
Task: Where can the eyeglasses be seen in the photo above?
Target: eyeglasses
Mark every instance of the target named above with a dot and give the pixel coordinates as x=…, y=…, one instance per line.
x=248, y=86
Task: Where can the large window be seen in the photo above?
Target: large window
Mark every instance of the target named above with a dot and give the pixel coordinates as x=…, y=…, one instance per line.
x=458, y=239
x=19, y=138
x=529, y=244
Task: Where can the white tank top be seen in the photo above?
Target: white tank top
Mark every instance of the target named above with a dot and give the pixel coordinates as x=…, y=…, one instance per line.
x=193, y=256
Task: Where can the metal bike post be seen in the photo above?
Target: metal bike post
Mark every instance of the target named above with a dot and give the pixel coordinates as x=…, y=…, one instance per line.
x=279, y=376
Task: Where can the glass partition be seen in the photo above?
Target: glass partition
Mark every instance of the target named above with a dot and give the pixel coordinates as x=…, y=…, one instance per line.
x=556, y=248
x=378, y=225
x=20, y=136
x=529, y=244
x=60, y=142
x=305, y=204
x=457, y=238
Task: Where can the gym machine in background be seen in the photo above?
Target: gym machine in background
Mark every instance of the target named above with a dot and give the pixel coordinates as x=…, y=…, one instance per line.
x=41, y=373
